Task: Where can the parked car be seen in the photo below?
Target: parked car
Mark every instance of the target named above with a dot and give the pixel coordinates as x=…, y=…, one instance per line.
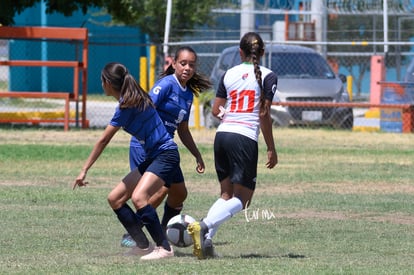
x=303, y=75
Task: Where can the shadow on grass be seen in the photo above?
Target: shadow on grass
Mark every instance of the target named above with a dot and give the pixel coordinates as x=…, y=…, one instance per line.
x=179, y=252
x=289, y=255
x=294, y=256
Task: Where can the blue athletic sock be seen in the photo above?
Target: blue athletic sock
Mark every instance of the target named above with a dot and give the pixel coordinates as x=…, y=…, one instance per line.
x=133, y=225
x=153, y=225
x=169, y=212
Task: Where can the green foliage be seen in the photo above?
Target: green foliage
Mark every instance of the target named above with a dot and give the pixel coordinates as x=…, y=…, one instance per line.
x=67, y=7
x=10, y=8
x=148, y=15
x=206, y=97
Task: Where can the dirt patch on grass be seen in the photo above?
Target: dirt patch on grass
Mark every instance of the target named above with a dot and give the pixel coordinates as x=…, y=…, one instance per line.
x=213, y=188
x=55, y=137
x=79, y=136
x=339, y=188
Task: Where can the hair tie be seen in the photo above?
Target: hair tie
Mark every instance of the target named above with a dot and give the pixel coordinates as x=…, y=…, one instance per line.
x=124, y=75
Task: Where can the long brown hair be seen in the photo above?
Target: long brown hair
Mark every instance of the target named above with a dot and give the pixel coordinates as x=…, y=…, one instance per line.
x=131, y=93
x=198, y=83
x=253, y=48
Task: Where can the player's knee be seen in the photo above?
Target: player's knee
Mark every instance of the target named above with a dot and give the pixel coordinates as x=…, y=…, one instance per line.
x=138, y=200
x=180, y=198
x=226, y=196
x=113, y=201
x=184, y=194
x=176, y=196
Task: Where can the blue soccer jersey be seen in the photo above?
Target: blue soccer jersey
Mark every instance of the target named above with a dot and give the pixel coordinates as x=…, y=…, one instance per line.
x=172, y=101
x=146, y=127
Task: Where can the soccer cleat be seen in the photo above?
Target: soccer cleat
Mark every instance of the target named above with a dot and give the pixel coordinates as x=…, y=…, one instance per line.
x=136, y=251
x=197, y=230
x=128, y=241
x=209, y=249
x=158, y=253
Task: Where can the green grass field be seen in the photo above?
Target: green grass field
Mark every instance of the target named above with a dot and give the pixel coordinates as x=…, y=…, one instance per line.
x=337, y=203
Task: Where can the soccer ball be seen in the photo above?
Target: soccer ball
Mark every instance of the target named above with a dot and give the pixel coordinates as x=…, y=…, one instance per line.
x=177, y=230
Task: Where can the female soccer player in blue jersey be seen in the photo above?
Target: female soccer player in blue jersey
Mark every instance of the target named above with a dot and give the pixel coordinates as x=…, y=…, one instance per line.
x=243, y=101
x=137, y=115
x=173, y=96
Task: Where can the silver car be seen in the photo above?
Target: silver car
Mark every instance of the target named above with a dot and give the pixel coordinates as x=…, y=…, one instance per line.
x=303, y=75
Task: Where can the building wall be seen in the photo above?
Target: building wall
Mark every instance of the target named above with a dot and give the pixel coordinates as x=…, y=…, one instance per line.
x=106, y=44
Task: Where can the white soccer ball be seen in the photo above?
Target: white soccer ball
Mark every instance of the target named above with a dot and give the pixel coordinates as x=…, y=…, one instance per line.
x=177, y=230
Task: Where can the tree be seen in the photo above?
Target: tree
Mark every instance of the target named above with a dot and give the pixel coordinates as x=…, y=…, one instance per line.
x=11, y=8
x=148, y=15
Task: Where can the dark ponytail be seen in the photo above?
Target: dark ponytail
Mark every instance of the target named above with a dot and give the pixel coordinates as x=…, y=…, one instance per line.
x=253, y=47
x=131, y=94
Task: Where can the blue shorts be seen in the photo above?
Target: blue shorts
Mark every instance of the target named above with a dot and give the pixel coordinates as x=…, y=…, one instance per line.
x=236, y=156
x=165, y=165
x=137, y=156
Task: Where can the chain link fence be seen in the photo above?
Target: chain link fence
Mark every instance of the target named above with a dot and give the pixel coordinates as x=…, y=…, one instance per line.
x=353, y=65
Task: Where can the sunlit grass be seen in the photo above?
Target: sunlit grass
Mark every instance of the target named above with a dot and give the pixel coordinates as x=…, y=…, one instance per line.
x=337, y=203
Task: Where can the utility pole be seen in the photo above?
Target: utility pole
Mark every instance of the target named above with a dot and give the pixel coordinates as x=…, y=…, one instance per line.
x=385, y=18
x=319, y=17
x=246, y=16
x=167, y=27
